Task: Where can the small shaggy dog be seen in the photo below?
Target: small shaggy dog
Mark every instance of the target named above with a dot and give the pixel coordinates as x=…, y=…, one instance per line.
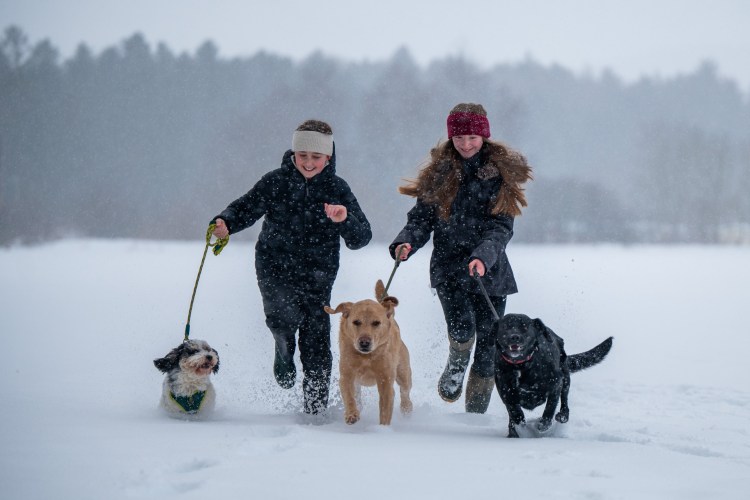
x=532, y=368
x=372, y=353
x=187, y=388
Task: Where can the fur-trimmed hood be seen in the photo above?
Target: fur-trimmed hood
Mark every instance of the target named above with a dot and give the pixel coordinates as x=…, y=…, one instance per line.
x=438, y=181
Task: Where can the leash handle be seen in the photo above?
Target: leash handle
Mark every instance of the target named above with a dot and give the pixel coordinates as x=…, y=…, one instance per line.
x=219, y=244
x=395, y=266
x=486, y=297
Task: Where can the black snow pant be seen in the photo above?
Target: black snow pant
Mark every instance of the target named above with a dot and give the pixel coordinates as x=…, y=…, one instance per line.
x=467, y=314
x=289, y=309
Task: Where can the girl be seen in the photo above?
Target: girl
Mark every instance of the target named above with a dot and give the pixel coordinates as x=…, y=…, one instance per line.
x=467, y=196
x=307, y=209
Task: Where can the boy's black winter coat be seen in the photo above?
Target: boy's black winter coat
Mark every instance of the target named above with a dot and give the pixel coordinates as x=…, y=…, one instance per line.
x=470, y=232
x=298, y=243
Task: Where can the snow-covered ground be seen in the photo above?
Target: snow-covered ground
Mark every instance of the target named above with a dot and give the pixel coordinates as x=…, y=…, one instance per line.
x=665, y=416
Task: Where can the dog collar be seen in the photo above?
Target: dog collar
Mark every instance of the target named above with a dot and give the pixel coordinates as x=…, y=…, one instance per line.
x=519, y=361
x=190, y=404
x=516, y=362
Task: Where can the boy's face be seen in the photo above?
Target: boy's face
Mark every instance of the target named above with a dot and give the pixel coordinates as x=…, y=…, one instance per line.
x=467, y=145
x=310, y=164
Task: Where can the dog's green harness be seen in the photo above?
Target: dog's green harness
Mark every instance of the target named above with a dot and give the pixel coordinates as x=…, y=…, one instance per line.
x=190, y=404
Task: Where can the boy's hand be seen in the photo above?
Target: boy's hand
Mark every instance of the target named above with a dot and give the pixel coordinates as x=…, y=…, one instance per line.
x=337, y=213
x=221, y=230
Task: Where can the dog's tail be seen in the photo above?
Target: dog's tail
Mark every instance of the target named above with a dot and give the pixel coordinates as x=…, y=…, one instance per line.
x=583, y=360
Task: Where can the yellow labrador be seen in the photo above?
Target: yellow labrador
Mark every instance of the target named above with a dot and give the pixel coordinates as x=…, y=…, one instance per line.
x=372, y=353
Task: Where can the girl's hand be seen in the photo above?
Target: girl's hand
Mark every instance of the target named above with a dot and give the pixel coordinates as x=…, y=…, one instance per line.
x=221, y=230
x=403, y=250
x=476, y=266
x=337, y=213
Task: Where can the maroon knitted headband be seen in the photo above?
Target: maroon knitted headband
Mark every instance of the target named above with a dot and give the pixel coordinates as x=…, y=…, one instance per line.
x=462, y=123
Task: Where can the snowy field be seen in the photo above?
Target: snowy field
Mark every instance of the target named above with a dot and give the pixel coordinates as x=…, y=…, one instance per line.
x=665, y=416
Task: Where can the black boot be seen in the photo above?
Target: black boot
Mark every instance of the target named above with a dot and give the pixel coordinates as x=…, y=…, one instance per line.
x=478, y=392
x=283, y=362
x=315, y=390
x=451, y=381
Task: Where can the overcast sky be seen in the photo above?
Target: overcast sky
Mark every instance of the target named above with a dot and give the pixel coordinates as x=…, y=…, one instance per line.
x=631, y=37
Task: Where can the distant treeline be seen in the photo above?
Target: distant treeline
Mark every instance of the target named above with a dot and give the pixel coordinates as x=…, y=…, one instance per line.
x=140, y=142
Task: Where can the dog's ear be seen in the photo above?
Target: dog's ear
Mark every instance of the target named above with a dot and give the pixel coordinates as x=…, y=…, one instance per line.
x=344, y=308
x=379, y=290
x=393, y=301
x=163, y=365
x=216, y=368
x=544, y=330
x=389, y=303
x=540, y=328
x=381, y=297
x=170, y=361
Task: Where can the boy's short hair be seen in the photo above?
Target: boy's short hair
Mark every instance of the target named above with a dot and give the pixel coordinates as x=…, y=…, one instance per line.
x=315, y=126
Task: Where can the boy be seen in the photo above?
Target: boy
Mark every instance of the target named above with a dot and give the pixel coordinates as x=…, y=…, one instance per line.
x=307, y=208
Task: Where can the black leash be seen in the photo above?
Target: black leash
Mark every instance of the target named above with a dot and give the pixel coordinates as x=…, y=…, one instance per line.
x=486, y=297
x=395, y=266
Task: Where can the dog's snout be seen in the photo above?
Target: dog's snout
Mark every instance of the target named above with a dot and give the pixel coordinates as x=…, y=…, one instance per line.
x=365, y=343
x=515, y=338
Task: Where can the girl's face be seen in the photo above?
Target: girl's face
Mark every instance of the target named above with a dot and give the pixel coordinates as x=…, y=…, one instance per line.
x=310, y=164
x=467, y=145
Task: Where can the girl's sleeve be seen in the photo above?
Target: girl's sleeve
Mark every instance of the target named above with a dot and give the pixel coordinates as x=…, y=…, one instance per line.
x=247, y=209
x=494, y=240
x=420, y=222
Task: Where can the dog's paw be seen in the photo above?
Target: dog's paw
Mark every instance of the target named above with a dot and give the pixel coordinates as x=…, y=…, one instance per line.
x=543, y=425
x=406, y=407
x=519, y=420
x=512, y=432
x=352, y=418
x=562, y=417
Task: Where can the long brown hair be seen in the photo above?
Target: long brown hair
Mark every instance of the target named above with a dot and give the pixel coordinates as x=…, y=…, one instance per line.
x=438, y=180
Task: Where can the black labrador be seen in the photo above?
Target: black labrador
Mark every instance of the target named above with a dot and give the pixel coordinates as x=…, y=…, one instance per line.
x=531, y=368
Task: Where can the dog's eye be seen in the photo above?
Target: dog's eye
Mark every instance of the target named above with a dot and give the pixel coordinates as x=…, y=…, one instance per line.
x=357, y=322
x=376, y=323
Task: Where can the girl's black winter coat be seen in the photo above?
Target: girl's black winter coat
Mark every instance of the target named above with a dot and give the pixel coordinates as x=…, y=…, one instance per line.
x=470, y=232
x=298, y=244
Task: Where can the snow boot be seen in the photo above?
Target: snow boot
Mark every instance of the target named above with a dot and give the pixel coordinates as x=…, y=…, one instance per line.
x=283, y=362
x=315, y=392
x=478, y=392
x=451, y=381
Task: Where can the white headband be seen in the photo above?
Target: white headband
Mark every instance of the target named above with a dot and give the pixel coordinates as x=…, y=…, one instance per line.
x=313, y=142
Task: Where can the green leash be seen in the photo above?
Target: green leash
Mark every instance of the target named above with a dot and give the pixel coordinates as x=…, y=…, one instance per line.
x=218, y=246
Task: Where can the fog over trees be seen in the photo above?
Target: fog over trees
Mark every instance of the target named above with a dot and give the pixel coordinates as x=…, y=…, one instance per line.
x=140, y=142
